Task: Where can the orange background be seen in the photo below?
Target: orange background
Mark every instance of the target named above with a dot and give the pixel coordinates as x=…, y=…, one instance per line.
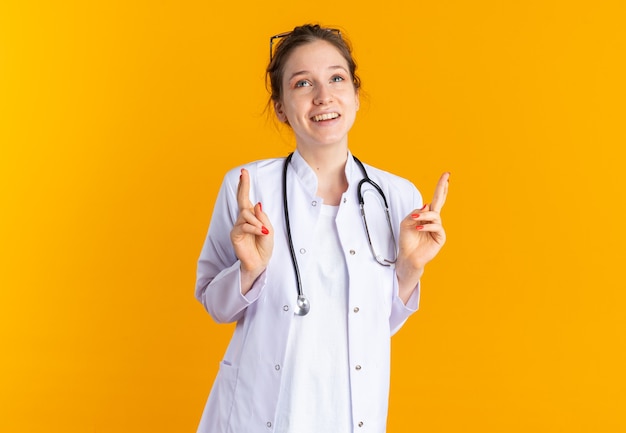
x=119, y=119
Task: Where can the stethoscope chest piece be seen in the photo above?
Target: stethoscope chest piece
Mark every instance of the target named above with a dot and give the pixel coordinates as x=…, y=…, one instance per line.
x=302, y=306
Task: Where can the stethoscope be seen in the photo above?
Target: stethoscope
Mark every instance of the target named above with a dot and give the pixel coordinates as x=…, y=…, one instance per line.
x=302, y=304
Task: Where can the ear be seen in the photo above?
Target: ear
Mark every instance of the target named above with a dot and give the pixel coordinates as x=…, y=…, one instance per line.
x=280, y=112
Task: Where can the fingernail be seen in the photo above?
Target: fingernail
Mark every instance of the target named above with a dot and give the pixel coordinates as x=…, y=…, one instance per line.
x=260, y=207
x=264, y=230
x=419, y=227
x=424, y=207
x=415, y=216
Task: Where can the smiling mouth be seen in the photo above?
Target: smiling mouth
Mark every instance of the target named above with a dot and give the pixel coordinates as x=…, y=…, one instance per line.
x=326, y=116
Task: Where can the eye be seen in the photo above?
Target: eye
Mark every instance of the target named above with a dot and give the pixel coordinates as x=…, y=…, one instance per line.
x=302, y=83
x=337, y=79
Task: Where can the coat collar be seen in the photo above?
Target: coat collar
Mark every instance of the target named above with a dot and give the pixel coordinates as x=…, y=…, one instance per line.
x=308, y=177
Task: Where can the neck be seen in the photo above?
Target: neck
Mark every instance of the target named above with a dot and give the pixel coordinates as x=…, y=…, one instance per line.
x=330, y=167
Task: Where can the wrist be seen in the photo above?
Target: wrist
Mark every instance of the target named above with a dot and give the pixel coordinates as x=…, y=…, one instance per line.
x=248, y=278
x=408, y=279
x=407, y=274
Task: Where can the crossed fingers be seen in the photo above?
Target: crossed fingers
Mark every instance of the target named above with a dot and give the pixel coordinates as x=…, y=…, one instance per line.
x=249, y=213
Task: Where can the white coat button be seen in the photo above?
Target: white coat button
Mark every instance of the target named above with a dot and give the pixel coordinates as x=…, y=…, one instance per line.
x=302, y=251
x=277, y=367
x=345, y=199
x=269, y=424
x=356, y=309
x=352, y=252
x=313, y=203
x=360, y=424
x=285, y=307
x=358, y=367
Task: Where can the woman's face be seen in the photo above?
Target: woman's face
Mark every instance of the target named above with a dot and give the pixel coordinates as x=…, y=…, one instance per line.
x=319, y=99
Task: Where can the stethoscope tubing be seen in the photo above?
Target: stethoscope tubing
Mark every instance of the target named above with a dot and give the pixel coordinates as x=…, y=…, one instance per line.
x=288, y=227
x=303, y=306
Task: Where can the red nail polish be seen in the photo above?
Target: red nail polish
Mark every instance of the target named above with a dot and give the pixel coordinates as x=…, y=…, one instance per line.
x=260, y=207
x=419, y=227
x=264, y=230
x=415, y=216
x=424, y=207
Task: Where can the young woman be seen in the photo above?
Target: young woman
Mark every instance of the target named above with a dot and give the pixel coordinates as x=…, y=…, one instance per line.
x=316, y=288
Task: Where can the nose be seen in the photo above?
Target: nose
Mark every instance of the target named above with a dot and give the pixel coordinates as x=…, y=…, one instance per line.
x=323, y=95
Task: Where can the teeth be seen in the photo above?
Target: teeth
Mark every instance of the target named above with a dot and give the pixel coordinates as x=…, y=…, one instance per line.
x=327, y=116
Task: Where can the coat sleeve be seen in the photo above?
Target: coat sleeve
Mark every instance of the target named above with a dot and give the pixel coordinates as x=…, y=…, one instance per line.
x=218, y=284
x=400, y=311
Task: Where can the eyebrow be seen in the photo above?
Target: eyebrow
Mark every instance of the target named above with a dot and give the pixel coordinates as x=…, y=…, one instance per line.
x=303, y=72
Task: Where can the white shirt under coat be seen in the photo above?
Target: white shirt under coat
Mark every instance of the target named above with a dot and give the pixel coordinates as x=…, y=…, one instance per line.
x=245, y=392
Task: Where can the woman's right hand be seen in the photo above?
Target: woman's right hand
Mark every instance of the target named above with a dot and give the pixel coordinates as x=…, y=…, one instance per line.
x=252, y=236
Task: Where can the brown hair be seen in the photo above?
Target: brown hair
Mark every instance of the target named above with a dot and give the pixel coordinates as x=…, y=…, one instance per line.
x=302, y=35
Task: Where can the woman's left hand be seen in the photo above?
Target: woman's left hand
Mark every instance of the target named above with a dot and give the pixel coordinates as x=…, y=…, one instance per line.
x=421, y=237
